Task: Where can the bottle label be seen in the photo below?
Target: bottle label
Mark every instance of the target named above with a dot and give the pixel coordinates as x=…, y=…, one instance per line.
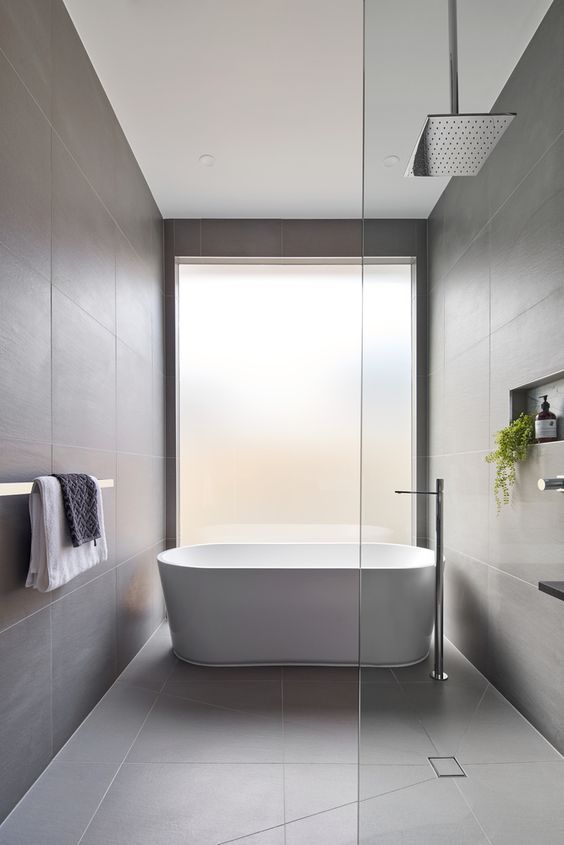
x=545, y=428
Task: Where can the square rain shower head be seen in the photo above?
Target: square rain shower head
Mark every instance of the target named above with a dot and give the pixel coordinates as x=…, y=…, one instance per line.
x=456, y=144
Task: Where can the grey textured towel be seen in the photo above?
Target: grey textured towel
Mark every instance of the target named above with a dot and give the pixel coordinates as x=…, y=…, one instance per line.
x=81, y=507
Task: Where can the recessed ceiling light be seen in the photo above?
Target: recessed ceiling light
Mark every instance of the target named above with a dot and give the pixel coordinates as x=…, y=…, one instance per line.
x=391, y=161
x=207, y=160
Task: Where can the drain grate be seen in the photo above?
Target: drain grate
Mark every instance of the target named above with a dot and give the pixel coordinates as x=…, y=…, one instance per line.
x=447, y=767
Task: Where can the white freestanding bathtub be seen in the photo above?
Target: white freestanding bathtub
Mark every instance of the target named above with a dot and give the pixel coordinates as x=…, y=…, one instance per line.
x=299, y=603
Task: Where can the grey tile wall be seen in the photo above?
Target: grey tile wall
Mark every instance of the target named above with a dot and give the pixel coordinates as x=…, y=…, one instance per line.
x=305, y=238
x=496, y=301
x=81, y=380
x=25, y=723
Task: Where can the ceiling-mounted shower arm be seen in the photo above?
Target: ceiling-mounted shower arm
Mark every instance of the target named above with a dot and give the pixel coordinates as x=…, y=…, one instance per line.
x=456, y=144
x=453, y=55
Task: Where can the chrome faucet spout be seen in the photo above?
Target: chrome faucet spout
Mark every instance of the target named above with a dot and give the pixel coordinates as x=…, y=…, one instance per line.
x=418, y=492
x=438, y=673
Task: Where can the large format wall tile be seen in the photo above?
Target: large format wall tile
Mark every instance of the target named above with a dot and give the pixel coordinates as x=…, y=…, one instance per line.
x=496, y=250
x=140, y=512
x=25, y=362
x=83, y=378
x=527, y=243
x=466, y=408
x=466, y=617
x=139, y=603
x=20, y=461
x=25, y=38
x=25, y=705
x=133, y=304
x=436, y=326
x=159, y=413
x=526, y=632
x=467, y=299
x=135, y=210
x=134, y=402
x=84, y=653
x=157, y=306
x=83, y=241
x=527, y=537
x=535, y=91
x=341, y=238
x=186, y=238
x=234, y=238
x=25, y=174
x=463, y=212
x=81, y=113
x=68, y=178
x=523, y=350
x=466, y=509
x=436, y=405
x=389, y=237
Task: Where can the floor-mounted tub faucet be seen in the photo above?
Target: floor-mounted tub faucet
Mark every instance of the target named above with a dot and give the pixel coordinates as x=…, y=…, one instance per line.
x=438, y=673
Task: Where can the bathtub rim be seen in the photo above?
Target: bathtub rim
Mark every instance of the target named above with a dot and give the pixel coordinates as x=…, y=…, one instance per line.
x=430, y=563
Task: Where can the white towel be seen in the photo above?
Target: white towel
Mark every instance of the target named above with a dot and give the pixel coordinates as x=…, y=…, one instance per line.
x=54, y=560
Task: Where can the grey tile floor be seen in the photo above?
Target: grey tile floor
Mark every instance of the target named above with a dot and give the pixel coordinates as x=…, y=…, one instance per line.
x=182, y=755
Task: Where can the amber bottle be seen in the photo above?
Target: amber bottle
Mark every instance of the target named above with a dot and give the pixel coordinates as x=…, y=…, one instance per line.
x=545, y=423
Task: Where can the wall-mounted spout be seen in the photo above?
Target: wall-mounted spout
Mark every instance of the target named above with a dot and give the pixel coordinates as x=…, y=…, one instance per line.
x=551, y=483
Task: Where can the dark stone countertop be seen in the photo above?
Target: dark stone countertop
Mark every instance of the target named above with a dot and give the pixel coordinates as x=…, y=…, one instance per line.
x=553, y=588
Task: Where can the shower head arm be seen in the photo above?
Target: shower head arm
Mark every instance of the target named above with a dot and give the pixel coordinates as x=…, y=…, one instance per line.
x=453, y=55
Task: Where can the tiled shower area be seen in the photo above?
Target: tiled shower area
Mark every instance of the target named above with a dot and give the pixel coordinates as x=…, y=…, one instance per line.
x=179, y=754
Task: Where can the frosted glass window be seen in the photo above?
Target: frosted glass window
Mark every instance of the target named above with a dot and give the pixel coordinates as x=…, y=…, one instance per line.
x=269, y=403
x=387, y=400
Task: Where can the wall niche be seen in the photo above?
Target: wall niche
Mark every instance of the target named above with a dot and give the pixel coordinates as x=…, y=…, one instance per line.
x=527, y=398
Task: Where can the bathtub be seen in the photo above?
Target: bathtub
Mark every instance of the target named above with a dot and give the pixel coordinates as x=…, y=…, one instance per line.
x=239, y=604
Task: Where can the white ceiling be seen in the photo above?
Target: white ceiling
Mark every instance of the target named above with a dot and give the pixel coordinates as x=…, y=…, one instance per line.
x=273, y=90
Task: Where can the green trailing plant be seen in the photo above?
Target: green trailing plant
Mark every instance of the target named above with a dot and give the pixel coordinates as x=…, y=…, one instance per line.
x=512, y=446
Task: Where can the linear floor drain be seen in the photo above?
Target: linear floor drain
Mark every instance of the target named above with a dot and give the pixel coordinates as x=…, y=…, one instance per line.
x=447, y=767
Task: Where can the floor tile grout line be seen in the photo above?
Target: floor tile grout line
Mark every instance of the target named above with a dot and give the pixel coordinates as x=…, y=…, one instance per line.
x=271, y=719
x=254, y=833
x=415, y=713
x=431, y=777
x=293, y=821
x=471, y=719
x=108, y=788
x=476, y=819
x=489, y=684
x=527, y=722
x=172, y=668
x=515, y=763
x=295, y=763
x=283, y=720
x=331, y=809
